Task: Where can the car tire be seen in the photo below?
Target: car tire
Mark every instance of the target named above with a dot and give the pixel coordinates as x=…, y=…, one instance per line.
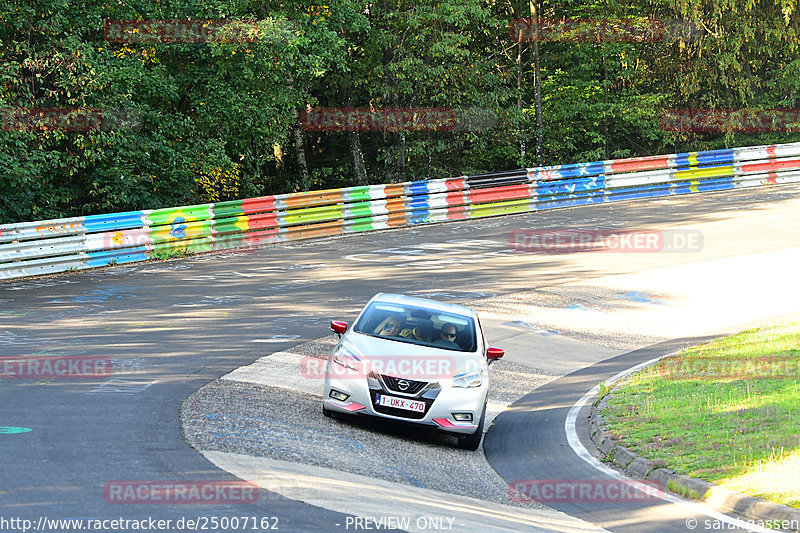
x=473, y=442
x=328, y=413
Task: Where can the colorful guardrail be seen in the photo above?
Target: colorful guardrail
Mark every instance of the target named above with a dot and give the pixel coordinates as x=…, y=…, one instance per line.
x=50, y=246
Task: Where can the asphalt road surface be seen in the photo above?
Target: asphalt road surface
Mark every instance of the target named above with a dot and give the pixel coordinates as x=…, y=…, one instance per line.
x=167, y=329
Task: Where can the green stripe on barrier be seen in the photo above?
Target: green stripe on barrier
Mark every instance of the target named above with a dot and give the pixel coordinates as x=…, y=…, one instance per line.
x=313, y=214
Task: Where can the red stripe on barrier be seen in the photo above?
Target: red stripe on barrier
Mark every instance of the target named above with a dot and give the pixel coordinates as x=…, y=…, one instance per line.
x=771, y=165
x=640, y=163
x=258, y=205
x=509, y=192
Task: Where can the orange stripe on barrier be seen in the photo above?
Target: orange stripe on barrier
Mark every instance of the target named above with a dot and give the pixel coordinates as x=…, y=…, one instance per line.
x=393, y=190
x=311, y=199
x=314, y=230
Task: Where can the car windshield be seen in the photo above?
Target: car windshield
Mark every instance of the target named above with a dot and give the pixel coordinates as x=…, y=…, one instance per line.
x=418, y=325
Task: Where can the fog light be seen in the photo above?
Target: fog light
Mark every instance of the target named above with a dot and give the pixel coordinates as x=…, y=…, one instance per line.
x=462, y=417
x=336, y=395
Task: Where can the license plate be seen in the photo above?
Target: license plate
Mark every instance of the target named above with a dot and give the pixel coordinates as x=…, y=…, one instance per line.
x=400, y=403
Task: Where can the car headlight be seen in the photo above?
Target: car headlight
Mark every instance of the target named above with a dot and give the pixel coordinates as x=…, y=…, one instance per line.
x=346, y=358
x=467, y=380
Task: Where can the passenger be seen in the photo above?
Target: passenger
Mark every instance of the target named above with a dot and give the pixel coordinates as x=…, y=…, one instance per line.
x=447, y=337
x=448, y=332
x=423, y=332
x=390, y=327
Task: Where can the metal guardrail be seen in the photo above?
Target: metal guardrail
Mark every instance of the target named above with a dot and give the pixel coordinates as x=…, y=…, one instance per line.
x=50, y=246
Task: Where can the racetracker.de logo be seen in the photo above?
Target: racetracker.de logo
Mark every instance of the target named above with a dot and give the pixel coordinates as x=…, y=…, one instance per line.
x=388, y=119
x=583, y=491
x=738, y=368
x=635, y=30
x=554, y=241
x=54, y=367
x=180, y=492
x=68, y=119
x=721, y=120
x=417, y=368
x=180, y=31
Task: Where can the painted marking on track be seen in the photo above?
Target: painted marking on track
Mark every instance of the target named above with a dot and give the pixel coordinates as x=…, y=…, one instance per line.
x=570, y=427
x=455, y=295
x=278, y=338
x=11, y=430
x=99, y=296
x=642, y=297
x=519, y=324
x=121, y=386
x=39, y=284
x=9, y=338
x=581, y=307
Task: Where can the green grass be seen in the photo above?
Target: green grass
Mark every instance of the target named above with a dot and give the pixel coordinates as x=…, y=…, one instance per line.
x=741, y=431
x=683, y=491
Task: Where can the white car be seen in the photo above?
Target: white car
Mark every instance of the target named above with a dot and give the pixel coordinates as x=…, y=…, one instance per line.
x=412, y=360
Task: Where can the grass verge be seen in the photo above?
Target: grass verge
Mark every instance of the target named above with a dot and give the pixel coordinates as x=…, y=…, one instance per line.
x=727, y=412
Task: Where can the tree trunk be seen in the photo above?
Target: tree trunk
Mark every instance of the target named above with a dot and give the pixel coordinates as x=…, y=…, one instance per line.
x=605, y=84
x=357, y=155
x=400, y=161
x=354, y=141
x=537, y=85
x=300, y=148
x=522, y=143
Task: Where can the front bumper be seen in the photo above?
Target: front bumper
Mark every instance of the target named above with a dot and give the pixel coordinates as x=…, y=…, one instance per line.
x=440, y=403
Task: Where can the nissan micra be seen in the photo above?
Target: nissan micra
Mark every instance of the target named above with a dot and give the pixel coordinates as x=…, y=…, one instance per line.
x=412, y=360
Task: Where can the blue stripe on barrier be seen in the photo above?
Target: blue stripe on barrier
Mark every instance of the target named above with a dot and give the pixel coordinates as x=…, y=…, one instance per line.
x=639, y=192
x=576, y=170
x=419, y=202
x=719, y=184
x=548, y=188
x=570, y=201
x=418, y=187
x=419, y=217
x=721, y=157
x=106, y=257
x=707, y=158
x=113, y=221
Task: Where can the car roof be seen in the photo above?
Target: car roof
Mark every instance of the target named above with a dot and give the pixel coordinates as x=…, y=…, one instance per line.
x=425, y=303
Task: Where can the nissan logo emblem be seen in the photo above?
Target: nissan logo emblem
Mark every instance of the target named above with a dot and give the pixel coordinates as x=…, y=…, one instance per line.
x=403, y=384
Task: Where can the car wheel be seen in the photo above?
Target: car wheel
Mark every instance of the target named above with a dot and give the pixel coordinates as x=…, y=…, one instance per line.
x=473, y=442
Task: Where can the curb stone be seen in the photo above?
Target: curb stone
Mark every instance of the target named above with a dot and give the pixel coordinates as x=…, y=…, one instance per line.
x=719, y=498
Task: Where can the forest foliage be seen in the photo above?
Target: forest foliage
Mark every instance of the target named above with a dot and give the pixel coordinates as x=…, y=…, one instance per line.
x=192, y=121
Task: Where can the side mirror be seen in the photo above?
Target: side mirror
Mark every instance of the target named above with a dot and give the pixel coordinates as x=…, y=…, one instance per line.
x=338, y=327
x=493, y=354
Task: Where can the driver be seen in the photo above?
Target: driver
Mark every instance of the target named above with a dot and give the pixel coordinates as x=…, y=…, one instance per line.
x=390, y=327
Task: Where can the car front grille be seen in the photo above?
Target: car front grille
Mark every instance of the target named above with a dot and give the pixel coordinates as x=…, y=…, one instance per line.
x=403, y=386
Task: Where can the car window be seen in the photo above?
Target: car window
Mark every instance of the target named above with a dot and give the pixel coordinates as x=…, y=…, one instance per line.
x=417, y=325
